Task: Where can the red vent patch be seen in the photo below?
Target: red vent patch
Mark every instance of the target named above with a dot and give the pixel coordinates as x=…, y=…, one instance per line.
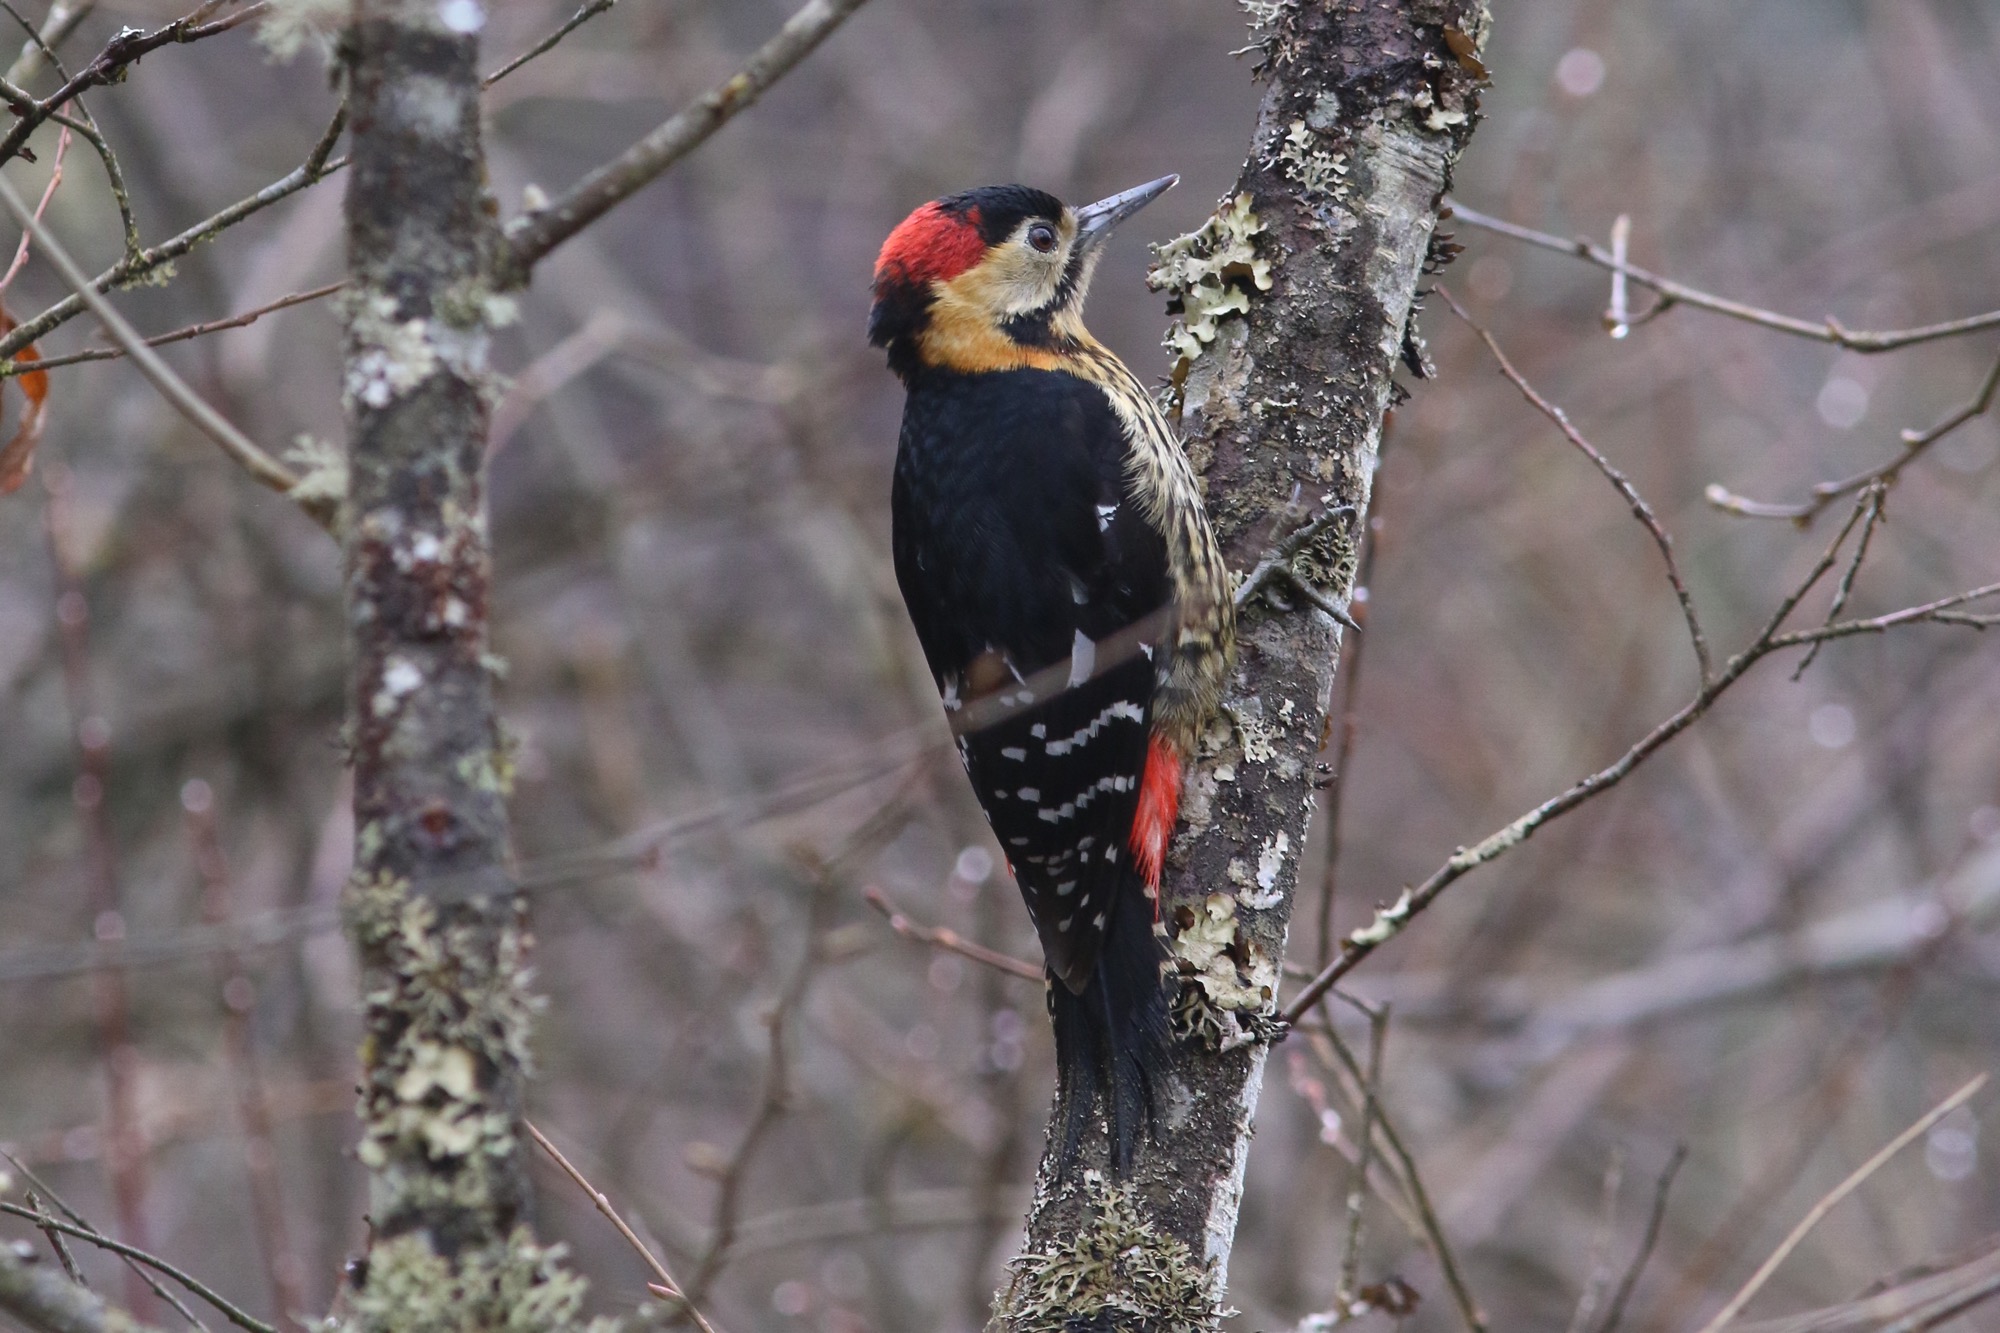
x=1159, y=806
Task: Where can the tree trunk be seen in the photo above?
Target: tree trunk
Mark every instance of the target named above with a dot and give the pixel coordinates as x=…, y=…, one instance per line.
x=1294, y=302
x=439, y=927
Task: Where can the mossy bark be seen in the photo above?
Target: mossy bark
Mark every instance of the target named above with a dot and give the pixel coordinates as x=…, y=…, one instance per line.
x=440, y=930
x=1284, y=379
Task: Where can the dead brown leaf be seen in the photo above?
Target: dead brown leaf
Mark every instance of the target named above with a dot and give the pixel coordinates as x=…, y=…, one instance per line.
x=17, y=456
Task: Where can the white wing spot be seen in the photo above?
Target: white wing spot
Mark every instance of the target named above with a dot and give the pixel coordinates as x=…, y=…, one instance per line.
x=1038, y=731
x=1105, y=513
x=1082, y=659
x=1066, y=888
x=1030, y=793
x=1014, y=752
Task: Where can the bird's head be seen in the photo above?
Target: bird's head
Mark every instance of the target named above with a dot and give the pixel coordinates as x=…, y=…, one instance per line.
x=993, y=278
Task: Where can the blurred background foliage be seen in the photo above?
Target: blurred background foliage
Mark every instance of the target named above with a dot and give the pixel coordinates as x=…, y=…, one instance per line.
x=714, y=692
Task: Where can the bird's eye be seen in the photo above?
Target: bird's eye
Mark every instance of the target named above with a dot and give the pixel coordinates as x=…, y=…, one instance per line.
x=1042, y=236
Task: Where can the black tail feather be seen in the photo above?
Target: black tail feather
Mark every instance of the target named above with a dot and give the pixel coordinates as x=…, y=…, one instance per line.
x=1112, y=1040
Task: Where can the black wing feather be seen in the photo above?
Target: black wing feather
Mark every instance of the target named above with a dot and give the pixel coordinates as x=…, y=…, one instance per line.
x=1014, y=535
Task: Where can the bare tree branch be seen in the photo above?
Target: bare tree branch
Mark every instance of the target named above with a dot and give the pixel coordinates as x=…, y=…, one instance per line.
x=532, y=236
x=263, y=468
x=319, y=163
x=943, y=937
x=228, y=1308
x=47, y=1302
x=1640, y=509
x=1828, y=330
x=585, y=12
x=1826, y=1205
x=201, y=330
x=1390, y=920
x=1914, y=442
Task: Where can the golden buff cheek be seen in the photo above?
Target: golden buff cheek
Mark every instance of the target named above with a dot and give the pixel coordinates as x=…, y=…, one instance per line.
x=1009, y=281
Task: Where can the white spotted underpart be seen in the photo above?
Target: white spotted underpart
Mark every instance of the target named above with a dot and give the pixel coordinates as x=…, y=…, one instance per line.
x=1068, y=809
x=1131, y=712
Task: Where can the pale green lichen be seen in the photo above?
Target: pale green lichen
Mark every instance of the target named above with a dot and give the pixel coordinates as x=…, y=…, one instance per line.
x=1229, y=983
x=1388, y=920
x=1312, y=168
x=159, y=275
x=290, y=26
x=518, y=1287
x=391, y=357
x=322, y=469
x=1115, y=1271
x=458, y=1002
x=1209, y=275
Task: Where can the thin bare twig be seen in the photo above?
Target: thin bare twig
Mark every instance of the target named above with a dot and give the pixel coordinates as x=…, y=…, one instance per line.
x=1599, y=1273
x=1833, y=1197
x=1390, y=921
x=587, y=11
x=1413, y=1186
x=1937, y=611
x=132, y=1265
x=202, y=330
x=1871, y=518
x=260, y=465
x=119, y=54
x=228, y=1309
x=1614, y=1314
x=63, y=17
x=82, y=123
x=944, y=937
x=56, y=1241
x=1828, y=330
x=533, y=235
x=319, y=163
x=20, y=260
x=1357, y=1190
x=1914, y=443
x=776, y=1095
x=1640, y=509
x=47, y=1302
x=1618, y=315
x=666, y=1285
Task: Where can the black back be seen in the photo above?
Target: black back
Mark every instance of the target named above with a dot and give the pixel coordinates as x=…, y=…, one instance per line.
x=1015, y=533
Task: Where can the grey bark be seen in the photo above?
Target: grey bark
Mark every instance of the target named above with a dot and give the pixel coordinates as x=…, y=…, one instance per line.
x=439, y=928
x=1285, y=376
x=42, y=1298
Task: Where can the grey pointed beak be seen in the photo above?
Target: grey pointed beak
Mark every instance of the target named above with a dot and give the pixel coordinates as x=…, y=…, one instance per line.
x=1095, y=222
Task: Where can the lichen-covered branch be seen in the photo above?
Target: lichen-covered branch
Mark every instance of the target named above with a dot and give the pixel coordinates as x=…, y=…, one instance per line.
x=1295, y=302
x=44, y=1300
x=440, y=928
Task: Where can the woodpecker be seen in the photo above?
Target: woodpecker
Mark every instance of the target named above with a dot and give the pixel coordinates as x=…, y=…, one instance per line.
x=1071, y=601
